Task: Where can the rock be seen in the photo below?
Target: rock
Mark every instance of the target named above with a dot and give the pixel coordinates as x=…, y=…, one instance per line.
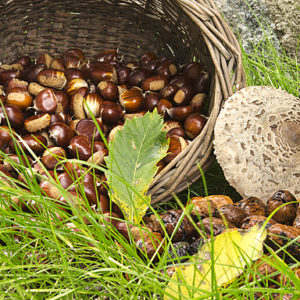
x=285, y=14
x=257, y=21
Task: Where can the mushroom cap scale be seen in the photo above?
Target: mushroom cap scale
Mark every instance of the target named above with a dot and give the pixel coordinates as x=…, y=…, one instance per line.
x=257, y=141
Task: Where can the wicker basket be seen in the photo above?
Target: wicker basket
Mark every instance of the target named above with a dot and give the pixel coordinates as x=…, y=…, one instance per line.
x=184, y=30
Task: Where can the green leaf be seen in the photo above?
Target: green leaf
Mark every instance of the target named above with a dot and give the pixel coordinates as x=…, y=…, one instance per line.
x=217, y=263
x=134, y=153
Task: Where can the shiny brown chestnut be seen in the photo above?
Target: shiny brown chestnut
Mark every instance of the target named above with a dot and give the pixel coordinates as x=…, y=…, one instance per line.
x=88, y=128
x=20, y=98
x=92, y=105
x=52, y=78
x=17, y=83
x=99, y=71
x=131, y=100
x=37, y=122
x=58, y=64
x=111, y=112
x=202, y=83
x=167, y=69
x=285, y=214
x=179, y=131
x=31, y=73
x=35, y=142
x=194, y=124
x=24, y=60
x=77, y=103
x=13, y=115
x=184, y=95
x=61, y=134
x=176, y=145
x=123, y=73
x=154, y=83
x=73, y=73
x=71, y=61
x=5, y=76
x=193, y=70
x=108, y=55
x=74, y=84
x=147, y=57
x=44, y=58
x=169, y=91
x=52, y=156
x=137, y=76
x=150, y=100
x=180, y=113
x=62, y=102
x=162, y=106
x=108, y=90
x=198, y=101
x=76, y=52
x=80, y=147
x=6, y=135
x=46, y=101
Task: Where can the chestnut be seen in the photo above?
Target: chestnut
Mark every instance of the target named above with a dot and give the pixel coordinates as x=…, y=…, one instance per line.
x=44, y=58
x=31, y=73
x=253, y=206
x=71, y=61
x=37, y=122
x=76, y=52
x=250, y=221
x=5, y=76
x=154, y=83
x=77, y=103
x=73, y=73
x=285, y=214
x=194, y=124
x=74, y=84
x=88, y=128
x=92, y=105
x=14, y=115
x=18, y=97
x=62, y=102
x=233, y=214
x=137, y=76
x=46, y=101
x=80, y=147
x=52, y=156
x=58, y=64
x=61, y=134
x=202, y=83
x=24, y=60
x=167, y=69
x=52, y=78
x=183, y=95
x=216, y=225
x=111, y=112
x=198, y=101
x=179, y=131
x=97, y=157
x=35, y=142
x=176, y=145
x=17, y=83
x=108, y=90
x=6, y=135
x=180, y=113
x=150, y=100
x=35, y=88
x=99, y=71
x=169, y=91
x=131, y=100
x=204, y=207
x=193, y=70
x=162, y=106
x=147, y=57
x=123, y=73
x=108, y=55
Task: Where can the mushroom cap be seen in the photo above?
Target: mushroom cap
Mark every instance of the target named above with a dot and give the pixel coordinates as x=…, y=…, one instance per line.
x=257, y=141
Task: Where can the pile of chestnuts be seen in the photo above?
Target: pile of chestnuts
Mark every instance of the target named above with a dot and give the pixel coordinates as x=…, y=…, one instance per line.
x=53, y=107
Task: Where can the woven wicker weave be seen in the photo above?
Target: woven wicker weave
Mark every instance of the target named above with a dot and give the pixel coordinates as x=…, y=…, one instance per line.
x=184, y=30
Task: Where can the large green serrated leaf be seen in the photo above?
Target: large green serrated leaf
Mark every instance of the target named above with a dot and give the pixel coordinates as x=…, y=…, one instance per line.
x=134, y=153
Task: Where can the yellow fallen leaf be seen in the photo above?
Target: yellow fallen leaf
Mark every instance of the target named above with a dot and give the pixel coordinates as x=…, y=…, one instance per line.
x=218, y=263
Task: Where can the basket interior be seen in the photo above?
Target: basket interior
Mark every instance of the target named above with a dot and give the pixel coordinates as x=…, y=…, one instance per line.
x=133, y=27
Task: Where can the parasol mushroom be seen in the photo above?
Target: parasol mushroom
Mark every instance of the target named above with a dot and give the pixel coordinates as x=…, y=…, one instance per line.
x=257, y=141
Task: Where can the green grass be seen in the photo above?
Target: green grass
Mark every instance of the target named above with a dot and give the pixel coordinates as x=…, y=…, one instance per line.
x=42, y=257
